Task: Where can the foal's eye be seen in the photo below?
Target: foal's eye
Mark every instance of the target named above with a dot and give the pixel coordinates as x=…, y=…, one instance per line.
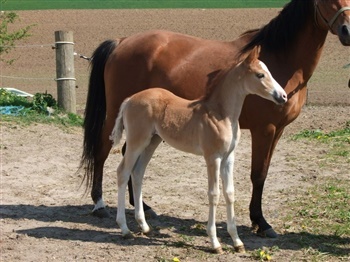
x=260, y=75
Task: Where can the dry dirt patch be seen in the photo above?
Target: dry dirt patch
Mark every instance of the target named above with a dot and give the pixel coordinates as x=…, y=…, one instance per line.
x=45, y=215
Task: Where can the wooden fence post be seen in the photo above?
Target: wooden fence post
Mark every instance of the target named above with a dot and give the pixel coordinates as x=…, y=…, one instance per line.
x=65, y=77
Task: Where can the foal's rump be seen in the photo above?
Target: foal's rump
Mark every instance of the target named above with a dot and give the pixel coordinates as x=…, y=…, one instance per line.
x=157, y=111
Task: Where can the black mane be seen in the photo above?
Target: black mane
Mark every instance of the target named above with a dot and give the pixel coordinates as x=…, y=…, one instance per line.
x=282, y=30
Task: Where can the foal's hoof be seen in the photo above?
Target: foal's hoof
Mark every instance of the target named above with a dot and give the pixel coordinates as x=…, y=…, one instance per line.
x=101, y=213
x=240, y=249
x=150, y=214
x=218, y=250
x=270, y=233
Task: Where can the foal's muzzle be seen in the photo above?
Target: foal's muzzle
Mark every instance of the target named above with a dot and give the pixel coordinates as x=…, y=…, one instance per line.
x=280, y=98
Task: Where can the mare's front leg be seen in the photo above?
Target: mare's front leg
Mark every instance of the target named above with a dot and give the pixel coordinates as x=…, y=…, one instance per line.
x=213, y=168
x=263, y=145
x=229, y=194
x=137, y=176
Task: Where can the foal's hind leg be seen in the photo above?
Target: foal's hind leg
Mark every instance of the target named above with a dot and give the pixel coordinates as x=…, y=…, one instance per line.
x=124, y=170
x=148, y=210
x=137, y=177
x=228, y=190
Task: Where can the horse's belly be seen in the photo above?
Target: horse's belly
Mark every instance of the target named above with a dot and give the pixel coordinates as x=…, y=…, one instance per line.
x=187, y=144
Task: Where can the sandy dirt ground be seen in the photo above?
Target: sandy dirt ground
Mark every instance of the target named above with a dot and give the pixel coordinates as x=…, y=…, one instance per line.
x=44, y=213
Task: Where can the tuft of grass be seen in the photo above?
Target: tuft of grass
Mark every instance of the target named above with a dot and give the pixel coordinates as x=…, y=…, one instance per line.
x=264, y=253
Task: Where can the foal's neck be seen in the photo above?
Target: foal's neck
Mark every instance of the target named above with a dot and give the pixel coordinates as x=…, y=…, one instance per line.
x=226, y=99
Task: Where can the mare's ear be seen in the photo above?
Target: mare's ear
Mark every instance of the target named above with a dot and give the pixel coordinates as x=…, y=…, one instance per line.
x=253, y=55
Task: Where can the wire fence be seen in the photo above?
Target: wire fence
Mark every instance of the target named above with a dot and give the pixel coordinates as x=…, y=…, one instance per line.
x=34, y=70
x=39, y=77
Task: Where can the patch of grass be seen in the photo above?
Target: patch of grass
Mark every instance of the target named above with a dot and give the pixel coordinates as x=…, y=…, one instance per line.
x=339, y=140
x=41, y=109
x=320, y=220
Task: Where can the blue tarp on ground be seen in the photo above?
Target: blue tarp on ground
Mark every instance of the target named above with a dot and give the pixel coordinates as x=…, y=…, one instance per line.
x=11, y=110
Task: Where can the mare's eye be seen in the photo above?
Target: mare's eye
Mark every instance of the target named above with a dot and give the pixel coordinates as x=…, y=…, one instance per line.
x=260, y=75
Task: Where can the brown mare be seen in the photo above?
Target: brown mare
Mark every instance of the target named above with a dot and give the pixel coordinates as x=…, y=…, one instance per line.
x=207, y=126
x=291, y=43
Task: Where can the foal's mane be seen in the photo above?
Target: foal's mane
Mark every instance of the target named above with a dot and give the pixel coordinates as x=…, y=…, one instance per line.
x=282, y=30
x=216, y=77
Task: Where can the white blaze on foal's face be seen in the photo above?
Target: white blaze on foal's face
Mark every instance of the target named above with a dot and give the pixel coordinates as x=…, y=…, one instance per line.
x=268, y=87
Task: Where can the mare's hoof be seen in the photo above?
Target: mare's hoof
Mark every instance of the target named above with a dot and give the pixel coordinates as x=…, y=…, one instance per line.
x=150, y=214
x=101, y=213
x=128, y=236
x=240, y=249
x=218, y=250
x=270, y=233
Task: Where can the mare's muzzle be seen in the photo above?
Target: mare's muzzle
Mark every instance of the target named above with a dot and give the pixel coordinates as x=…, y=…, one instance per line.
x=344, y=34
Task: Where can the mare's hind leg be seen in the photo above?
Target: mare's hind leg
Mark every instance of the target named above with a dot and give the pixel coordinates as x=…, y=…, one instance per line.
x=137, y=177
x=228, y=190
x=105, y=146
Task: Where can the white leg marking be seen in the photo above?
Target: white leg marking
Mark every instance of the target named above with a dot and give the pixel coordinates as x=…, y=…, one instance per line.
x=100, y=204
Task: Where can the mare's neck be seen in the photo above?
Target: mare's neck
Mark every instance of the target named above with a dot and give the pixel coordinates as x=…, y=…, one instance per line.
x=296, y=65
x=226, y=99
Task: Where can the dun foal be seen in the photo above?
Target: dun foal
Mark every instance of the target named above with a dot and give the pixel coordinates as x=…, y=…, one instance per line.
x=208, y=127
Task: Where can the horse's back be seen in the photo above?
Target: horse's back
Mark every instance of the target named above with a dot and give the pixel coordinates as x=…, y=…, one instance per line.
x=166, y=59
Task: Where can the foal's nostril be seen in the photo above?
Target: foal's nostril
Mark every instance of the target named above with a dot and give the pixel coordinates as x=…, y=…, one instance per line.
x=285, y=96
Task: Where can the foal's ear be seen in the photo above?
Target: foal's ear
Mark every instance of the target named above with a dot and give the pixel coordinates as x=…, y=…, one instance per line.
x=253, y=55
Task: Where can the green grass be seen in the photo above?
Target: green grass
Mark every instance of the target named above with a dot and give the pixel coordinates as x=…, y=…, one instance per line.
x=35, y=110
x=319, y=220
x=338, y=140
x=60, y=119
x=124, y=4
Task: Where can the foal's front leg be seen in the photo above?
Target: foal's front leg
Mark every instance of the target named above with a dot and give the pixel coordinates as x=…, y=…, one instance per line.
x=228, y=190
x=213, y=168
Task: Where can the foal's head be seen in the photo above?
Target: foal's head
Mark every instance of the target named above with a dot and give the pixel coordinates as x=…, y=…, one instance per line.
x=259, y=81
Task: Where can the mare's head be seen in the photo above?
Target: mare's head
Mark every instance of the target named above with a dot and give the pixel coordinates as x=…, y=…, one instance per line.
x=334, y=15
x=258, y=79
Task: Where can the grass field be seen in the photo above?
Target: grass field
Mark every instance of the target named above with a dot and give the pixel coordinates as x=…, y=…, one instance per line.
x=121, y=4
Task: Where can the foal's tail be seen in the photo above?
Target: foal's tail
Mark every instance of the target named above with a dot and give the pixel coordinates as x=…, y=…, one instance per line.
x=95, y=111
x=117, y=132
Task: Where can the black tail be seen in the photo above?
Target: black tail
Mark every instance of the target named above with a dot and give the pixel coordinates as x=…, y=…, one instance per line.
x=95, y=111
